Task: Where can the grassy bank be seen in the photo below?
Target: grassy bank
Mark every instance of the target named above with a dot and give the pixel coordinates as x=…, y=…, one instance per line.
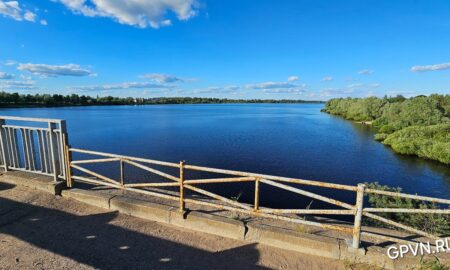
x=416, y=126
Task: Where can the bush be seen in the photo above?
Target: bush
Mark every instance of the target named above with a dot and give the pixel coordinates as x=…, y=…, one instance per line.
x=431, y=223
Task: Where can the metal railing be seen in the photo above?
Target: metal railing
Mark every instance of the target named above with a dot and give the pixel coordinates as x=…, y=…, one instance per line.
x=37, y=149
x=219, y=202
x=45, y=150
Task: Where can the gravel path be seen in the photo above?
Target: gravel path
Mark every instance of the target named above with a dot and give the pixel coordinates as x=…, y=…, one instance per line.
x=41, y=231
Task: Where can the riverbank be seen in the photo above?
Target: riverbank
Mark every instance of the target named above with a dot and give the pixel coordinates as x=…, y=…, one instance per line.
x=417, y=126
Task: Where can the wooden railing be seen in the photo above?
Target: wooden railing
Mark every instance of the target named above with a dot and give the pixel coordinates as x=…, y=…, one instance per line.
x=219, y=202
x=37, y=149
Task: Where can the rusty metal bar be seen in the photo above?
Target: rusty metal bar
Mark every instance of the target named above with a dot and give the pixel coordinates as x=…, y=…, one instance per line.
x=217, y=197
x=258, y=214
x=135, y=185
x=358, y=216
x=220, y=180
x=163, y=163
x=256, y=203
x=96, y=182
x=122, y=172
x=89, y=161
x=145, y=168
x=307, y=211
x=308, y=194
x=271, y=177
x=409, y=196
x=104, y=178
x=399, y=225
x=406, y=210
x=182, y=186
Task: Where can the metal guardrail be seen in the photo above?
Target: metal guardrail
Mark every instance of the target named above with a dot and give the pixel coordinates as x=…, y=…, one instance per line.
x=33, y=149
x=45, y=150
x=357, y=210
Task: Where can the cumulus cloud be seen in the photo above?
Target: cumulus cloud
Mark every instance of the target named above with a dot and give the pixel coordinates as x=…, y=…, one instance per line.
x=270, y=85
x=278, y=87
x=229, y=89
x=12, y=9
x=9, y=85
x=6, y=76
x=365, y=72
x=55, y=71
x=349, y=90
x=121, y=86
x=163, y=78
x=327, y=79
x=430, y=67
x=139, y=13
x=9, y=63
x=293, y=78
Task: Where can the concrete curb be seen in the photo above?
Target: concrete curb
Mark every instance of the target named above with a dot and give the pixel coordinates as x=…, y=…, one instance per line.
x=42, y=183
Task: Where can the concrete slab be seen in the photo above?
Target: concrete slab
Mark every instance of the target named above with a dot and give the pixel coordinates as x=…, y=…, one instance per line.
x=88, y=196
x=141, y=209
x=291, y=240
x=208, y=223
x=38, y=182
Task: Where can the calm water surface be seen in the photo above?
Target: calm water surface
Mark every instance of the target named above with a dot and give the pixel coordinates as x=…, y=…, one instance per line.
x=294, y=140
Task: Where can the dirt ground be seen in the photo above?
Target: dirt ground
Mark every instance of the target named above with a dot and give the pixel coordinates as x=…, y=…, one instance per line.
x=41, y=231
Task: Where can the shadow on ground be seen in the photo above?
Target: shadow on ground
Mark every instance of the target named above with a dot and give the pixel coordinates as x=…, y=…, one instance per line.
x=91, y=240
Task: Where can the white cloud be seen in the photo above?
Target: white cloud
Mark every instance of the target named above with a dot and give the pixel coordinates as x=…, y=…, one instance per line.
x=9, y=63
x=121, y=86
x=6, y=76
x=55, y=71
x=140, y=13
x=163, y=78
x=365, y=72
x=29, y=16
x=293, y=78
x=357, y=89
x=230, y=89
x=13, y=10
x=8, y=85
x=270, y=85
x=43, y=22
x=327, y=79
x=430, y=67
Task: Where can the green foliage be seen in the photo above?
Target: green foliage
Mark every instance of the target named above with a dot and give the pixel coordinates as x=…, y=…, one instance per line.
x=416, y=126
x=424, y=141
x=432, y=223
x=16, y=100
x=432, y=264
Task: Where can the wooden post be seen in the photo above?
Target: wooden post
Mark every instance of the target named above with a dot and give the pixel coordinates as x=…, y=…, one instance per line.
x=3, y=145
x=256, y=206
x=358, y=215
x=182, y=203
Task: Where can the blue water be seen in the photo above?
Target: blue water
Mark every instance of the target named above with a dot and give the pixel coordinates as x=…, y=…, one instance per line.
x=294, y=140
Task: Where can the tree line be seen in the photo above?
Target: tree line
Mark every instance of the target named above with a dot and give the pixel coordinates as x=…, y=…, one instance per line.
x=23, y=100
x=415, y=126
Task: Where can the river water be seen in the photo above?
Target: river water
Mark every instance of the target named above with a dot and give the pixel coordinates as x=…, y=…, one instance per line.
x=293, y=140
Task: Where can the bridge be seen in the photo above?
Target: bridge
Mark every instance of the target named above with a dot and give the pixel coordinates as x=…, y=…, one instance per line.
x=41, y=146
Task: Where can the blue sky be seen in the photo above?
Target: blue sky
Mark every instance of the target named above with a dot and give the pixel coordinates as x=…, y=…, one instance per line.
x=312, y=50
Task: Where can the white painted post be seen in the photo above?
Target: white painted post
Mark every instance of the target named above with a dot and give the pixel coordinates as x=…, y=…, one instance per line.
x=3, y=145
